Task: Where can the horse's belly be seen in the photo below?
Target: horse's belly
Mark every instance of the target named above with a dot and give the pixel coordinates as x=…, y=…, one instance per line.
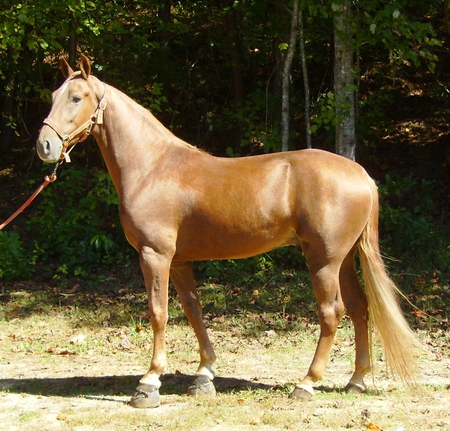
x=217, y=245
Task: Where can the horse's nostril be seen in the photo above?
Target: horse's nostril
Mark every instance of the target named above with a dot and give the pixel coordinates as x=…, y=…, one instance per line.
x=43, y=147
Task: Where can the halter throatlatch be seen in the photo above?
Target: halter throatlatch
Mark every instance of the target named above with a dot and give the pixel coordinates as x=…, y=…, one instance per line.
x=82, y=132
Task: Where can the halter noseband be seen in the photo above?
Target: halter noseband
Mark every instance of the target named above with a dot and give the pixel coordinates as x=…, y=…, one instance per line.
x=84, y=130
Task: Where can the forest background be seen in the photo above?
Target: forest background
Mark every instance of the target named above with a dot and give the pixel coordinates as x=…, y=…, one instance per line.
x=215, y=73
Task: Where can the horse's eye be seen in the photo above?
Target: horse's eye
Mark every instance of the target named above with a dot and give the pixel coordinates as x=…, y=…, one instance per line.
x=76, y=99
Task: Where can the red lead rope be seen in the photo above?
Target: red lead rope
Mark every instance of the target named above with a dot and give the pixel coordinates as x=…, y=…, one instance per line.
x=47, y=180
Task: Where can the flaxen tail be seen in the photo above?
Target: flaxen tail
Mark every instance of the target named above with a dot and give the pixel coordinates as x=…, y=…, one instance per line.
x=399, y=342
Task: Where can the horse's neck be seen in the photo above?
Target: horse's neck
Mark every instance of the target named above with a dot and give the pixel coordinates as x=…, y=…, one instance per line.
x=131, y=139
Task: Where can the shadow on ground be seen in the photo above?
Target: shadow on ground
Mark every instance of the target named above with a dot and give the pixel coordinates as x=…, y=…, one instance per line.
x=172, y=384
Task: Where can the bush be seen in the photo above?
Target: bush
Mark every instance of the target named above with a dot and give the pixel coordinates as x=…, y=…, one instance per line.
x=260, y=269
x=79, y=229
x=412, y=227
x=406, y=211
x=13, y=257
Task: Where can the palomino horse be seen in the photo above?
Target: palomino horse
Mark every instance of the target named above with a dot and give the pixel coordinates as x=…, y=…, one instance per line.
x=179, y=205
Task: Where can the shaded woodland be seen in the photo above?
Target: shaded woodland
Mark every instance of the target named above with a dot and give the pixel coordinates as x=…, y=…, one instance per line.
x=215, y=73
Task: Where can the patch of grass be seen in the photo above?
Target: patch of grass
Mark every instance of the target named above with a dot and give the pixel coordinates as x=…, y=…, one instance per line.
x=73, y=355
x=27, y=416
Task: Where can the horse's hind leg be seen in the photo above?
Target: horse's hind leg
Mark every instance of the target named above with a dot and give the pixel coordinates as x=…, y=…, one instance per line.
x=183, y=279
x=325, y=281
x=356, y=304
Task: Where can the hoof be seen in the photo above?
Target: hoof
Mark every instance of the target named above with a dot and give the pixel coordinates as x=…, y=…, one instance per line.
x=301, y=394
x=355, y=388
x=146, y=396
x=202, y=386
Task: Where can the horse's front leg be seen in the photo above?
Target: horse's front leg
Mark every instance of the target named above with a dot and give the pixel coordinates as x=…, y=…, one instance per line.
x=155, y=268
x=183, y=279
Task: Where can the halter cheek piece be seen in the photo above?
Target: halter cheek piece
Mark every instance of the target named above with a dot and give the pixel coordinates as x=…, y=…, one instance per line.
x=82, y=132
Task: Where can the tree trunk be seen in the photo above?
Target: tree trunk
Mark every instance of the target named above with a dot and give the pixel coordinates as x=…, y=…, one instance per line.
x=344, y=82
x=305, y=80
x=286, y=79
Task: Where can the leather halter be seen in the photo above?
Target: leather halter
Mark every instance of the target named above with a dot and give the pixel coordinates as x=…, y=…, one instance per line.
x=83, y=131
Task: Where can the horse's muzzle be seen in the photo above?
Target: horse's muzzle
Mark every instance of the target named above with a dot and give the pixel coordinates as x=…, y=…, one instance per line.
x=49, y=145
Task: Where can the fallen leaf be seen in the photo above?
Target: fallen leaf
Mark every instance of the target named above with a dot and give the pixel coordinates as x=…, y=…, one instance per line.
x=66, y=352
x=373, y=427
x=54, y=351
x=74, y=288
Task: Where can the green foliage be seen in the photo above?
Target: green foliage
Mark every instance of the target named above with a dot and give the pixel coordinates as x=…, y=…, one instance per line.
x=324, y=113
x=77, y=223
x=182, y=61
x=177, y=60
x=405, y=35
x=411, y=229
x=150, y=96
x=260, y=132
x=255, y=270
x=13, y=258
x=406, y=211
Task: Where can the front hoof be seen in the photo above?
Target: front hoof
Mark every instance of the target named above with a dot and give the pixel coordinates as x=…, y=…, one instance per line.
x=145, y=397
x=301, y=394
x=355, y=388
x=202, y=386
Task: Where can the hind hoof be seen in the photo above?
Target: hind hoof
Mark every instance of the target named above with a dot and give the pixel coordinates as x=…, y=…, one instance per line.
x=355, y=388
x=145, y=397
x=301, y=394
x=202, y=386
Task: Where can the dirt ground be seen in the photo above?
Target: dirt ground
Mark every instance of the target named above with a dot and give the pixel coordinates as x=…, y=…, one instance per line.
x=86, y=383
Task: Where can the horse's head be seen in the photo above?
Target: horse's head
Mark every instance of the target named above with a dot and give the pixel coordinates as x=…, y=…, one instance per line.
x=75, y=109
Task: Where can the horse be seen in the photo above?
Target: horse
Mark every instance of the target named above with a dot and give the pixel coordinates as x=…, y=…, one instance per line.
x=179, y=204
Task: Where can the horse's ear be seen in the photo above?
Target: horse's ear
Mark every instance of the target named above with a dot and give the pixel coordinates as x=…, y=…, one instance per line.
x=85, y=66
x=65, y=68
